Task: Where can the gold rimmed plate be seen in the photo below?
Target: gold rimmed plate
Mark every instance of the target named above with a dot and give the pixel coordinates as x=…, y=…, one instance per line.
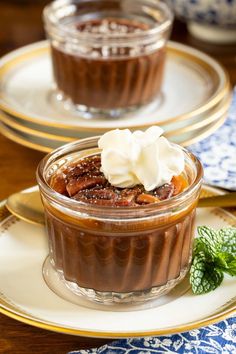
x=25, y=296
x=184, y=137
x=64, y=136
x=27, y=91
x=27, y=140
x=18, y=125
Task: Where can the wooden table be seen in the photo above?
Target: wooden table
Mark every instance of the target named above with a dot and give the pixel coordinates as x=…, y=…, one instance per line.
x=20, y=24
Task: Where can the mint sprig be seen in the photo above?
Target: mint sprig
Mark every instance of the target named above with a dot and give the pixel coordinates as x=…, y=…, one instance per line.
x=214, y=254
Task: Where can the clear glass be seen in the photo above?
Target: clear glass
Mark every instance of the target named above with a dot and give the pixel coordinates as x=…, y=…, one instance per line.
x=108, y=55
x=125, y=254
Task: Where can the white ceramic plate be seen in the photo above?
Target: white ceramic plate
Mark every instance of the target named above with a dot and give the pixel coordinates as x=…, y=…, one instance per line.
x=25, y=296
x=48, y=142
x=176, y=129
x=193, y=84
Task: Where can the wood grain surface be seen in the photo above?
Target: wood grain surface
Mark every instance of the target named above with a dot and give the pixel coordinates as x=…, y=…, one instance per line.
x=20, y=24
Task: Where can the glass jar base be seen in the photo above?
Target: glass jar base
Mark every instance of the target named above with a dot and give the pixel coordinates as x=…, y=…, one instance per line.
x=113, y=300
x=62, y=103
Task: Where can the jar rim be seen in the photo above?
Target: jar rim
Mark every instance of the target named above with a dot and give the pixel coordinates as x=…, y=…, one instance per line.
x=147, y=210
x=73, y=34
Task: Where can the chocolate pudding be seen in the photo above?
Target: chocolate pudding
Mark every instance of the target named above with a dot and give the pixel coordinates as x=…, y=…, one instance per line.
x=113, y=256
x=111, y=243
x=109, y=76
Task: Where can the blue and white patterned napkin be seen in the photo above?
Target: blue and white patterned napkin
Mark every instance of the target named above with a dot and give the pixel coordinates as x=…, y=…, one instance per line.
x=218, y=152
x=218, y=155
x=214, y=339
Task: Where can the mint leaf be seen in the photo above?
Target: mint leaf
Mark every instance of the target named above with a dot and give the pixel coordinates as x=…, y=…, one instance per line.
x=228, y=240
x=204, y=276
x=226, y=262
x=211, y=240
x=214, y=254
x=222, y=259
x=226, y=258
x=231, y=268
x=199, y=246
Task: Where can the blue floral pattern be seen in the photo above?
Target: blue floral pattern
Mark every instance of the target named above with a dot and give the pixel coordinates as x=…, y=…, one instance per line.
x=213, y=12
x=218, y=155
x=214, y=339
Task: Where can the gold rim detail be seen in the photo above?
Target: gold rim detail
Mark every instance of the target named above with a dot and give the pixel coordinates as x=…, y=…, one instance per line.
x=215, y=115
x=20, y=140
x=209, y=129
x=206, y=133
x=22, y=128
x=171, y=50
x=10, y=309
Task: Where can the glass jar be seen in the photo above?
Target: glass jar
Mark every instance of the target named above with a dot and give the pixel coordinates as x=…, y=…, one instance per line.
x=118, y=254
x=108, y=55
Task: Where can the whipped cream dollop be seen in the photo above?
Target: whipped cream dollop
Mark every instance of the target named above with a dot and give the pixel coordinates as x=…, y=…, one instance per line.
x=147, y=158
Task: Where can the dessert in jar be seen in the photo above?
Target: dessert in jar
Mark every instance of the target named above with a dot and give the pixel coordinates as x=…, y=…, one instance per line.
x=108, y=56
x=120, y=212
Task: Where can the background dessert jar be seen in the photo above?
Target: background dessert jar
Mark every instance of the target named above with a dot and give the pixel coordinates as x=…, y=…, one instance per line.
x=110, y=253
x=108, y=55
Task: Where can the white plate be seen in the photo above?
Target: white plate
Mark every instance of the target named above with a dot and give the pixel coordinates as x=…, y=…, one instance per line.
x=176, y=129
x=48, y=142
x=193, y=84
x=25, y=296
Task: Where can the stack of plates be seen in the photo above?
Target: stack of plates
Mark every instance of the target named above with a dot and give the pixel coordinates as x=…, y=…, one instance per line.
x=193, y=104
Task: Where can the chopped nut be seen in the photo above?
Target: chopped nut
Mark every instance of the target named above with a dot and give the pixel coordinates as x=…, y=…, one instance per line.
x=146, y=199
x=164, y=192
x=75, y=185
x=84, y=167
x=58, y=183
x=101, y=194
x=83, y=181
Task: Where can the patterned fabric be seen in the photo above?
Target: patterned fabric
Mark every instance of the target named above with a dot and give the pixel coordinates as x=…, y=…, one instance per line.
x=218, y=155
x=214, y=12
x=214, y=339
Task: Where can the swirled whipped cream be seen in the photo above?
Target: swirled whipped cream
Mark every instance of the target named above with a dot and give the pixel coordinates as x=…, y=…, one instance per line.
x=147, y=158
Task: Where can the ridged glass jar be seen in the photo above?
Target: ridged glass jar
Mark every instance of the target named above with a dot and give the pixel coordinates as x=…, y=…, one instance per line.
x=118, y=254
x=108, y=55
